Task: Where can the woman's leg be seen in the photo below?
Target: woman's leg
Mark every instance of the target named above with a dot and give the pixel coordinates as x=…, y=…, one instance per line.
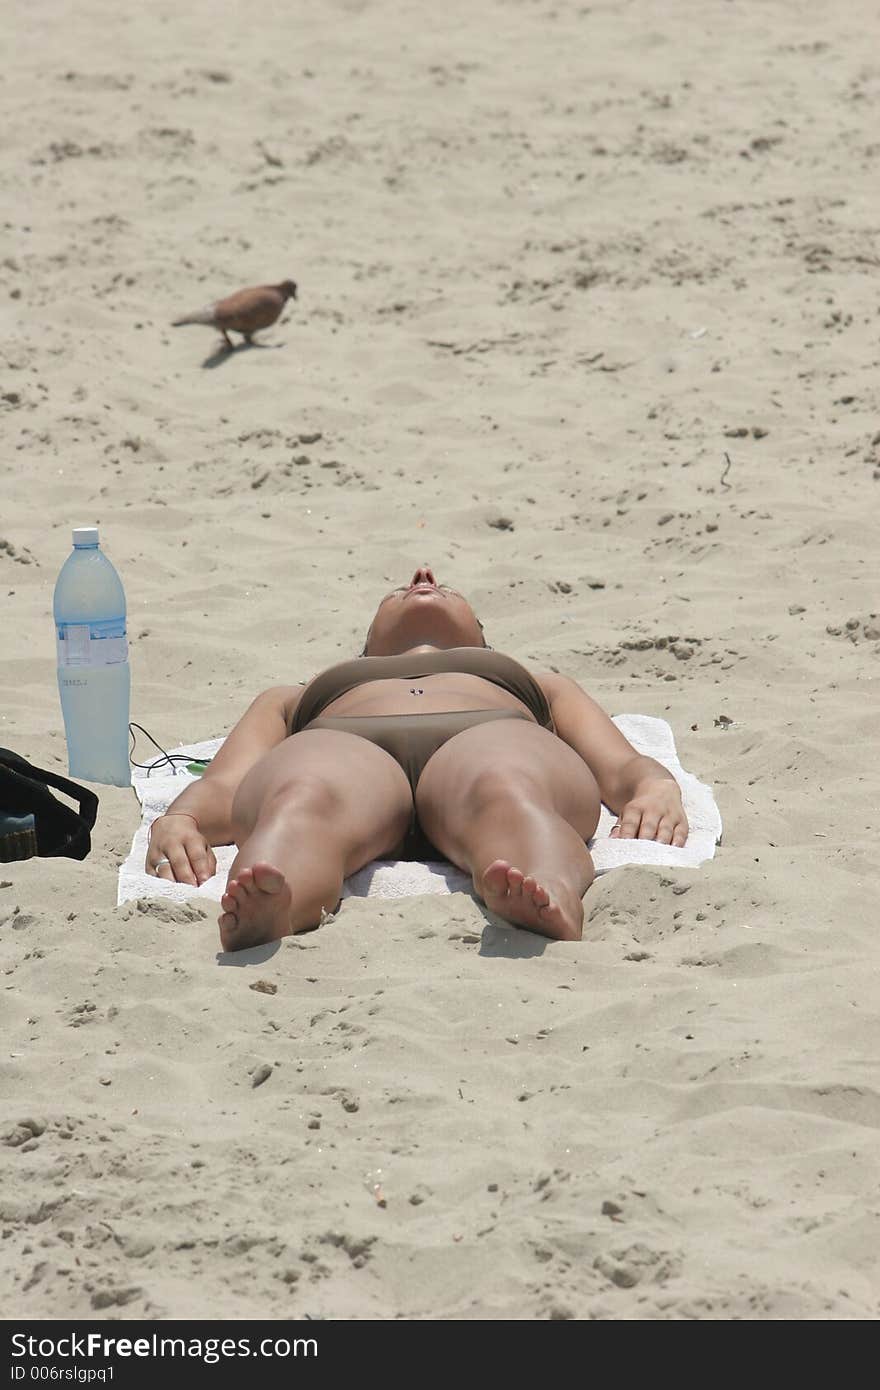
x=312, y=811
x=512, y=804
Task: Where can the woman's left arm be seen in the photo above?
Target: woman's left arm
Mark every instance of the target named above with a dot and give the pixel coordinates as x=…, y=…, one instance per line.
x=642, y=793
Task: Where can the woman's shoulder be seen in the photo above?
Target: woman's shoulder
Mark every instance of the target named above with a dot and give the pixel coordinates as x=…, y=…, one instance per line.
x=281, y=692
x=547, y=678
x=553, y=683
x=283, y=697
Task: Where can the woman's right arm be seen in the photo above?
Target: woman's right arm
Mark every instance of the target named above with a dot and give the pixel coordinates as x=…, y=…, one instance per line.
x=202, y=815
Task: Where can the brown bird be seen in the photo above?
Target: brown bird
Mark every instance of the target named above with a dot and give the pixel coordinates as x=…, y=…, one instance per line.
x=244, y=312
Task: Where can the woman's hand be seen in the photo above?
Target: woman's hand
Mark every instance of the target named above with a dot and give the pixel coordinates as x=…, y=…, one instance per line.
x=654, y=812
x=178, y=850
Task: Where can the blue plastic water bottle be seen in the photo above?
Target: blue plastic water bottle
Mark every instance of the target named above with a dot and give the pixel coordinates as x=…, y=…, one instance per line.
x=94, y=679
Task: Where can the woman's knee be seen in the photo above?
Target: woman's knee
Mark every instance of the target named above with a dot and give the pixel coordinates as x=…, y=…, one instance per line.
x=293, y=800
x=308, y=797
x=490, y=788
x=509, y=781
x=349, y=792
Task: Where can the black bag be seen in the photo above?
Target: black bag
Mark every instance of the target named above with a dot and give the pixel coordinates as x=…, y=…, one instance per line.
x=33, y=821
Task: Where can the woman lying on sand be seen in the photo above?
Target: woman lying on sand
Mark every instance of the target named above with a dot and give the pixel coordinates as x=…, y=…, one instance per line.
x=428, y=742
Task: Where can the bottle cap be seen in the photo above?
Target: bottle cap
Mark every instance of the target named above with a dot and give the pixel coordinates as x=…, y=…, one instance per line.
x=85, y=535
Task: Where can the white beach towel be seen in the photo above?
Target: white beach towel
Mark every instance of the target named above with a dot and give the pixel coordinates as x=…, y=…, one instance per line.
x=156, y=790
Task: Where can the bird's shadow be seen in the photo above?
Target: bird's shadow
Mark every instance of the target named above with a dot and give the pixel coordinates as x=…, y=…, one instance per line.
x=222, y=353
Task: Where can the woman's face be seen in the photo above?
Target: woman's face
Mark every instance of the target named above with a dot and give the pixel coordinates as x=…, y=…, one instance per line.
x=423, y=613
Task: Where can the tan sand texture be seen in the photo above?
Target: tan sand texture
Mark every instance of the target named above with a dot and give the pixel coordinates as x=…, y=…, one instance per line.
x=555, y=262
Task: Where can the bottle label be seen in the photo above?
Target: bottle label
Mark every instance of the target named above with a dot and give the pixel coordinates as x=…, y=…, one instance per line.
x=92, y=644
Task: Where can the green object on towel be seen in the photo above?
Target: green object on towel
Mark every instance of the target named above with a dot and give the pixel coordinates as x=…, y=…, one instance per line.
x=198, y=767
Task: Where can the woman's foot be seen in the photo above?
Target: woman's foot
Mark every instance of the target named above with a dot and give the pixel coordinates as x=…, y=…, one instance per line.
x=256, y=908
x=521, y=899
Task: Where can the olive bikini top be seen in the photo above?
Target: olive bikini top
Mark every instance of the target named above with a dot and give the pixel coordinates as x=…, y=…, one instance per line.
x=492, y=666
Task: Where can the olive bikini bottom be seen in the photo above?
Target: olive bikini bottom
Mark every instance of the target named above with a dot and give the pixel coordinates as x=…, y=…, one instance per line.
x=412, y=739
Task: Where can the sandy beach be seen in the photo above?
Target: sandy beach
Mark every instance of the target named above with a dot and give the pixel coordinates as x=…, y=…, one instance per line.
x=587, y=320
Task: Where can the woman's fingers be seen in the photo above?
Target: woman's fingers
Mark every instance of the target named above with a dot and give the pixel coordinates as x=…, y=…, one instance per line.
x=627, y=827
x=642, y=823
x=190, y=860
x=157, y=866
x=635, y=824
x=203, y=861
x=201, y=857
x=178, y=867
x=664, y=832
x=680, y=834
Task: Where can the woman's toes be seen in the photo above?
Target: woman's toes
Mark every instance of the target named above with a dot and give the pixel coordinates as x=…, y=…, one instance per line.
x=515, y=881
x=540, y=897
x=495, y=878
x=267, y=878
